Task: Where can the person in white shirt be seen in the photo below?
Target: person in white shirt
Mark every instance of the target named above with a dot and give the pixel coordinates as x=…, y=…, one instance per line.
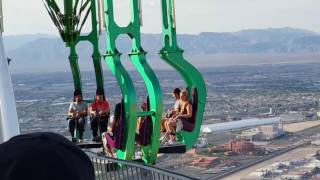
x=77, y=113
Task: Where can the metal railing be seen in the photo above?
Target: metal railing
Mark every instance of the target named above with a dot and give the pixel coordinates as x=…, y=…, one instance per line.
x=107, y=168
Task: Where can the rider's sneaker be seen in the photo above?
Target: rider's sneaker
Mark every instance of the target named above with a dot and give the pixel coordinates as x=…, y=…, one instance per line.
x=164, y=137
x=171, y=142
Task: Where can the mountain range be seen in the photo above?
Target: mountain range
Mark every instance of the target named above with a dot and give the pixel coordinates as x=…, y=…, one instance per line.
x=41, y=52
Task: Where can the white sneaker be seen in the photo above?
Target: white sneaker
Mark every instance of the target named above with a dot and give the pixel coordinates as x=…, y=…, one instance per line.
x=163, y=138
x=171, y=142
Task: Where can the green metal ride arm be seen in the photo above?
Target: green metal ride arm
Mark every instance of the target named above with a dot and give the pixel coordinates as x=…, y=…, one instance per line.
x=173, y=55
x=73, y=60
x=69, y=26
x=112, y=58
x=93, y=38
x=138, y=59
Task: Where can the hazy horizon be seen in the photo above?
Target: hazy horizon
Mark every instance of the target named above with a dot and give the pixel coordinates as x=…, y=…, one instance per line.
x=219, y=15
x=248, y=29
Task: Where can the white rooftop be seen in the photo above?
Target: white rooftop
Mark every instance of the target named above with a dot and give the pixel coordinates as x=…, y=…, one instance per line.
x=236, y=125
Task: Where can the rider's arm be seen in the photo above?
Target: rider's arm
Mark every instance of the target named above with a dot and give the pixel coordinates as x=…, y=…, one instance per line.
x=189, y=112
x=92, y=110
x=71, y=111
x=177, y=114
x=112, y=126
x=106, y=110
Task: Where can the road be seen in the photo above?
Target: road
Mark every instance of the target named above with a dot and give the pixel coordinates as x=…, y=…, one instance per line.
x=232, y=173
x=298, y=153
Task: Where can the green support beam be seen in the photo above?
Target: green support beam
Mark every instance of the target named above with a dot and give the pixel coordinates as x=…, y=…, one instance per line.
x=70, y=25
x=138, y=59
x=173, y=55
x=93, y=38
x=73, y=60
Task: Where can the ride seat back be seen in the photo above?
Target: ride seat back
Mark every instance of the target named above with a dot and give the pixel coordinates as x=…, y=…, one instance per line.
x=145, y=129
x=194, y=103
x=118, y=135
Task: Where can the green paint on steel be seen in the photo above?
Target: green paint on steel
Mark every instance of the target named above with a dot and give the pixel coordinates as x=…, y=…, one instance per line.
x=93, y=38
x=70, y=26
x=138, y=59
x=173, y=55
x=73, y=59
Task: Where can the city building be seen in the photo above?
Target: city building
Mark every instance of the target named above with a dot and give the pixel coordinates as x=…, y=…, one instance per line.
x=292, y=116
x=238, y=125
x=240, y=147
x=273, y=131
x=265, y=132
x=206, y=162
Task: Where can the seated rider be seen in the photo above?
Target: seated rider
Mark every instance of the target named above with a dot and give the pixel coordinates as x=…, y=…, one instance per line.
x=77, y=114
x=108, y=137
x=99, y=111
x=144, y=127
x=140, y=119
x=172, y=111
x=185, y=116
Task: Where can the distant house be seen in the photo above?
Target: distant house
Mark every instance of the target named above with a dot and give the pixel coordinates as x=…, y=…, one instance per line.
x=206, y=162
x=265, y=132
x=240, y=147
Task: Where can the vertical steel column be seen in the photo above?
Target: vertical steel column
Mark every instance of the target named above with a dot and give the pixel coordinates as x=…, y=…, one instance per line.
x=68, y=22
x=9, y=124
x=93, y=38
x=73, y=60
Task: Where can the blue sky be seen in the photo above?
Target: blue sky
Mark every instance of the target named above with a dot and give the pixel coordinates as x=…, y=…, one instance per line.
x=193, y=16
